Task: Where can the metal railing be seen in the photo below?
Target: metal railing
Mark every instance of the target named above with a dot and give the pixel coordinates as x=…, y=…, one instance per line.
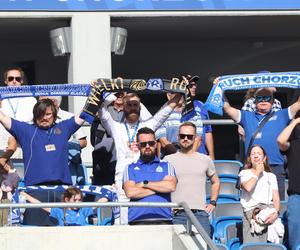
x=191, y=221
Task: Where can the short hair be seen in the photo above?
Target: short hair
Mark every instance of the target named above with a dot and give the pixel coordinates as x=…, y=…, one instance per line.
x=130, y=95
x=14, y=68
x=188, y=124
x=70, y=192
x=40, y=107
x=145, y=130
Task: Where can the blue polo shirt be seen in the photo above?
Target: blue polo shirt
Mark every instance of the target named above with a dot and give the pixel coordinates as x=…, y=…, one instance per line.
x=203, y=113
x=153, y=171
x=72, y=217
x=45, y=152
x=267, y=137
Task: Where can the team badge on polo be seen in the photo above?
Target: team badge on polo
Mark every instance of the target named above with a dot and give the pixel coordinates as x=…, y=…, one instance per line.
x=159, y=169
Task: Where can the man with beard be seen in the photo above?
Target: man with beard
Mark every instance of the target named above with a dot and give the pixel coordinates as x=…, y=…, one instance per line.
x=124, y=135
x=45, y=149
x=149, y=180
x=192, y=170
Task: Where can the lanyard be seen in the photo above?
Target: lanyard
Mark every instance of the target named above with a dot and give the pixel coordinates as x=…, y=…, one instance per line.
x=49, y=133
x=131, y=138
x=12, y=107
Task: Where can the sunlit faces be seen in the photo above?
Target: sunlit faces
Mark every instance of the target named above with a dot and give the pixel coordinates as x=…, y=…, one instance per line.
x=14, y=78
x=257, y=155
x=132, y=108
x=186, y=137
x=46, y=120
x=147, y=146
x=74, y=198
x=193, y=88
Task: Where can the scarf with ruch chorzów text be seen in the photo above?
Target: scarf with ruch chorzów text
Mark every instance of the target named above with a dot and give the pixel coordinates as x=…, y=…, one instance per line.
x=215, y=100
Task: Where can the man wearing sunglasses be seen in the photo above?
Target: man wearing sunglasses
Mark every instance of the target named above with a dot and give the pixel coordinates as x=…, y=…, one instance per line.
x=124, y=135
x=149, y=180
x=19, y=108
x=167, y=133
x=267, y=135
x=192, y=170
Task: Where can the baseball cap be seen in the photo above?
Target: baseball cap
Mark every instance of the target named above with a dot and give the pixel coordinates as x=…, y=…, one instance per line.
x=191, y=78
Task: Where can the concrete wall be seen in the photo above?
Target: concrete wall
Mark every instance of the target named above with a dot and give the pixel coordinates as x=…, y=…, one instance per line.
x=92, y=237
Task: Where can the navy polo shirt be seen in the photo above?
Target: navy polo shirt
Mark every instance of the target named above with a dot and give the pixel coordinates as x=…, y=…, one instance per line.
x=45, y=152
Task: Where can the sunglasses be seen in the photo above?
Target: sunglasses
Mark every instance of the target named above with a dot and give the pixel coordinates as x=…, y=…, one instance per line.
x=11, y=78
x=263, y=98
x=189, y=137
x=145, y=143
x=191, y=85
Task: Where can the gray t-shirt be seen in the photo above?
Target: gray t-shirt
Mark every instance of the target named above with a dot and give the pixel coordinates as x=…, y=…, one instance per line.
x=191, y=171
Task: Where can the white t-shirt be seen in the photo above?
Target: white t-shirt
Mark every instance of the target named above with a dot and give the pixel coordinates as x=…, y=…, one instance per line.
x=262, y=193
x=117, y=130
x=19, y=108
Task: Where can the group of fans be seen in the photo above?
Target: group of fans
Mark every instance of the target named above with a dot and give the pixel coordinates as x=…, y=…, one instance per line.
x=159, y=158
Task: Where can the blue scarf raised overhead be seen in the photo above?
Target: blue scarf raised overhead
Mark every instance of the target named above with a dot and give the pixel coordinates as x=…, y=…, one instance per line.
x=215, y=100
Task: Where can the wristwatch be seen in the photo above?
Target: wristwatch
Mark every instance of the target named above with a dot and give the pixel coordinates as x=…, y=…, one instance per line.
x=214, y=203
x=145, y=182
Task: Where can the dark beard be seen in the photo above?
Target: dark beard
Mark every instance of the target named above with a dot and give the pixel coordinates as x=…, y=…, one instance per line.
x=147, y=158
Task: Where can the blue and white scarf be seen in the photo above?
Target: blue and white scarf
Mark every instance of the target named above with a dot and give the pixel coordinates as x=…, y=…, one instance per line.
x=215, y=100
x=100, y=191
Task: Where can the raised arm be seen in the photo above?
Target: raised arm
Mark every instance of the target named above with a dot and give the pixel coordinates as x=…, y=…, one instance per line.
x=231, y=111
x=5, y=120
x=295, y=107
x=283, y=138
x=31, y=199
x=11, y=148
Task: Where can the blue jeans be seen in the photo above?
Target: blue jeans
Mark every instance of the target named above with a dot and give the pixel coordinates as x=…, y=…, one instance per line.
x=293, y=221
x=202, y=217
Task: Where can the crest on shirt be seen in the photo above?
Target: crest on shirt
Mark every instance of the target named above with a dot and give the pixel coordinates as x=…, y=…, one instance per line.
x=159, y=169
x=57, y=131
x=136, y=168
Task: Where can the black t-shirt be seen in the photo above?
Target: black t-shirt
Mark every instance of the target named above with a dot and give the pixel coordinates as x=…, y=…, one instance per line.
x=293, y=156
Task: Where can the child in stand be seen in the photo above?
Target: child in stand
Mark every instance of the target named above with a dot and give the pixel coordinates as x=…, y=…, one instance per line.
x=70, y=216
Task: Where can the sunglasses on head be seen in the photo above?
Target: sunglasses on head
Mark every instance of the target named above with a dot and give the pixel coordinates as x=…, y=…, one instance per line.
x=263, y=99
x=189, y=137
x=11, y=78
x=145, y=143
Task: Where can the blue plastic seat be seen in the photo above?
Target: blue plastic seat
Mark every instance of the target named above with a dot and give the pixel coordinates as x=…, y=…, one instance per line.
x=228, y=168
x=219, y=225
x=227, y=186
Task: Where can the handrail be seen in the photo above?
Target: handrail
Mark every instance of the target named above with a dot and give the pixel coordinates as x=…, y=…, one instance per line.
x=192, y=220
x=219, y=122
